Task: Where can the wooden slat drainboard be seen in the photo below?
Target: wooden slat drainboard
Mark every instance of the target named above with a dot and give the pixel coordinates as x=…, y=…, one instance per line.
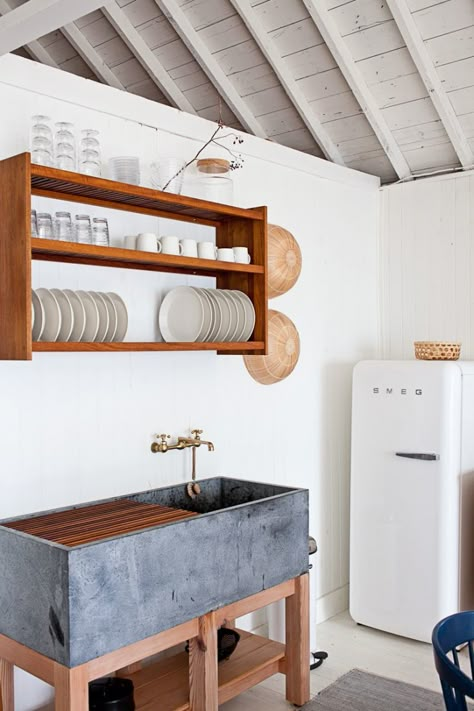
x=86, y=524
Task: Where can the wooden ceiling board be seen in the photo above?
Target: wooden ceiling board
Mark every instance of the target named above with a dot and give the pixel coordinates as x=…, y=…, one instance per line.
x=444, y=18
x=296, y=37
x=324, y=84
x=452, y=47
x=276, y=14
x=457, y=75
x=360, y=15
x=399, y=91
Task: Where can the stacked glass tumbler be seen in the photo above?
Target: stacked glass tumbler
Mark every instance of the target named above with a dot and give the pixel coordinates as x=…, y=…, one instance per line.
x=42, y=150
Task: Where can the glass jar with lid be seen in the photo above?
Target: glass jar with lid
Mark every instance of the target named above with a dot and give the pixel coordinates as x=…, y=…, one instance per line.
x=210, y=179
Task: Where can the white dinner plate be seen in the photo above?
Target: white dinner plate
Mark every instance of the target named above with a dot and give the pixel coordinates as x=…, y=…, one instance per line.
x=122, y=316
x=109, y=336
x=249, y=315
x=242, y=315
x=207, y=314
x=67, y=315
x=92, y=317
x=217, y=315
x=181, y=317
x=235, y=315
x=214, y=314
x=103, y=316
x=38, y=319
x=226, y=319
x=79, y=321
x=52, y=315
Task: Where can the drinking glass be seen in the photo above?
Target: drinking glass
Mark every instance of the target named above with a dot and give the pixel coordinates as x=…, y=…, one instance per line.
x=100, y=232
x=167, y=174
x=45, y=225
x=34, y=226
x=83, y=229
x=63, y=227
x=90, y=158
x=42, y=151
x=65, y=146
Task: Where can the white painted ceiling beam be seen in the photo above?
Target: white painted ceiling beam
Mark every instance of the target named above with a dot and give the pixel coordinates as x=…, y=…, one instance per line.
x=92, y=58
x=354, y=77
x=146, y=57
x=35, y=49
x=36, y=18
x=423, y=62
x=210, y=66
x=299, y=100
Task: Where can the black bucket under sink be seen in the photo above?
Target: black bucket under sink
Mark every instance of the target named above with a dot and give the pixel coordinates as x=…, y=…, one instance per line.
x=111, y=694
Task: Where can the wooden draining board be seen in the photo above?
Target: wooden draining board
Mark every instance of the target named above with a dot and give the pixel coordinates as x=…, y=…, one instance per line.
x=75, y=527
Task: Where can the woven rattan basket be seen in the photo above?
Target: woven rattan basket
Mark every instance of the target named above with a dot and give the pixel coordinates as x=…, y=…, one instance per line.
x=431, y=350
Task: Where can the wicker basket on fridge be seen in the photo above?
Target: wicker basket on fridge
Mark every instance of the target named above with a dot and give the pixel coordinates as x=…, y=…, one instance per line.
x=437, y=350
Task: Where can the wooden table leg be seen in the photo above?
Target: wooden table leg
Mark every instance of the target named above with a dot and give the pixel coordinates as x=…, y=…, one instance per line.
x=71, y=689
x=7, y=702
x=203, y=682
x=297, y=643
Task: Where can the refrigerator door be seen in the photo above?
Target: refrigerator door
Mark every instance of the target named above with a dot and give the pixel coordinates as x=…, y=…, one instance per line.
x=406, y=425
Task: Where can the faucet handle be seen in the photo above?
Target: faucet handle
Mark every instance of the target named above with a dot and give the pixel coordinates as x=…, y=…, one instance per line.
x=163, y=437
x=197, y=433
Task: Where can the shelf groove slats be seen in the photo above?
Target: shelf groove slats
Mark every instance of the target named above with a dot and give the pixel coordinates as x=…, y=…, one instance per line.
x=114, y=194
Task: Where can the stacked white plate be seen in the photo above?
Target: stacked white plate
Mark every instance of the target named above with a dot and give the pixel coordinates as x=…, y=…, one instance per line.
x=189, y=315
x=125, y=169
x=85, y=316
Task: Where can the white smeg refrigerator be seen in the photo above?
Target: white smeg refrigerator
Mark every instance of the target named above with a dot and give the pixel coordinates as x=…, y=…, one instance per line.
x=412, y=494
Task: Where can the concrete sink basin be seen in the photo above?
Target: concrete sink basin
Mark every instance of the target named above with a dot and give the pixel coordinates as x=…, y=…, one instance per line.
x=74, y=604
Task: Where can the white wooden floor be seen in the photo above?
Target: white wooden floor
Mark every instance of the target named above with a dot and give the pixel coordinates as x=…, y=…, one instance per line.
x=349, y=647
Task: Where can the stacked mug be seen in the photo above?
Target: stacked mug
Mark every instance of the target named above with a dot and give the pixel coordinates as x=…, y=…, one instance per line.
x=169, y=244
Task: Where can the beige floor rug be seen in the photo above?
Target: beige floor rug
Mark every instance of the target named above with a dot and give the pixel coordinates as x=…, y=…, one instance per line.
x=360, y=691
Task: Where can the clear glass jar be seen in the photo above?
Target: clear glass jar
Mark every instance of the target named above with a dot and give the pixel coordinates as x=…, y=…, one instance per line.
x=210, y=179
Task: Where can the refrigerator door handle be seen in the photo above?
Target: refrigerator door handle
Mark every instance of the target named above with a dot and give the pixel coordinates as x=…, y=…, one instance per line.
x=418, y=455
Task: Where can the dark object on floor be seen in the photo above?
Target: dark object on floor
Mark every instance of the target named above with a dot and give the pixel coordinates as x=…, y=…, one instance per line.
x=448, y=635
x=359, y=691
x=319, y=658
x=111, y=694
x=227, y=641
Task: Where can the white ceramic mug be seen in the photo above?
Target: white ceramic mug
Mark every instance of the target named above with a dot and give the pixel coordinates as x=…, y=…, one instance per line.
x=130, y=242
x=241, y=255
x=148, y=242
x=170, y=245
x=207, y=250
x=189, y=247
x=226, y=254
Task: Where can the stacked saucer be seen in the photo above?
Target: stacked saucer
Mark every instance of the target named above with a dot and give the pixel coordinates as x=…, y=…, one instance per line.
x=189, y=314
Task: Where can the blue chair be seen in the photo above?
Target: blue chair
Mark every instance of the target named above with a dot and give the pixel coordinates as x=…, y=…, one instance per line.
x=450, y=633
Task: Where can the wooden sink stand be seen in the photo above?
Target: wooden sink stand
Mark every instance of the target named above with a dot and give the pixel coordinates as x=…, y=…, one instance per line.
x=179, y=683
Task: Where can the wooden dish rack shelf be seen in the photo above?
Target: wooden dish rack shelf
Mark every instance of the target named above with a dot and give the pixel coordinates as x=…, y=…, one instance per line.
x=20, y=179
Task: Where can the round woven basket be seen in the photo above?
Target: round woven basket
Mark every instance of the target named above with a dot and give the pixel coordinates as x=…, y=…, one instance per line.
x=432, y=350
x=284, y=261
x=283, y=351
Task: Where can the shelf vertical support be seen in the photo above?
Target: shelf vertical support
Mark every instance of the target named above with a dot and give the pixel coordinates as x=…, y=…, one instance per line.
x=297, y=643
x=15, y=258
x=71, y=688
x=7, y=702
x=203, y=680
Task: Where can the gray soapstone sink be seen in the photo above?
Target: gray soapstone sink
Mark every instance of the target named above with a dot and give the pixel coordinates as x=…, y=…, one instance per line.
x=76, y=604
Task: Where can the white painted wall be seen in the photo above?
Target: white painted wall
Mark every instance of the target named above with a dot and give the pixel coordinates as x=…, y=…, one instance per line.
x=427, y=264
x=75, y=427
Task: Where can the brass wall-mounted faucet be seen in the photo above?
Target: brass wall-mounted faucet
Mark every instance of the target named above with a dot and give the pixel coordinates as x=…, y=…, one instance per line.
x=182, y=443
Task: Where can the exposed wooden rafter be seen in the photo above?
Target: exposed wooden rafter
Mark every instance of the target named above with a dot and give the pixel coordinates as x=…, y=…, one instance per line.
x=146, y=57
x=36, y=18
x=423, y=62
x=87, y=52
x=34, y=48
x=210, y=66
x=352, y=74
x=301, y=104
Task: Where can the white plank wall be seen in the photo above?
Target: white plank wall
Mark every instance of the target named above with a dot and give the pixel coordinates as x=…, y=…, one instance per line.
x=427, y=264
